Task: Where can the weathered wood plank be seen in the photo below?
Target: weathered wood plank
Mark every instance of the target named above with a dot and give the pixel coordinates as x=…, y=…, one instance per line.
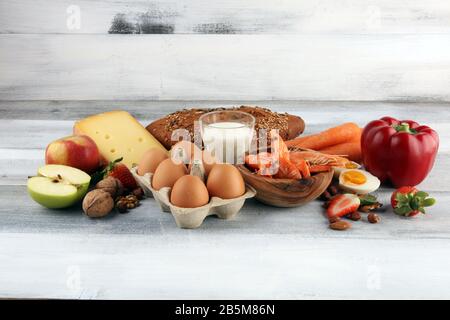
x=289, y=253
x=225, y=16
x=147, y=110
x=255, y=218
x=218, y=266
x=183, y=67
x=33, y=135
x=31, y=125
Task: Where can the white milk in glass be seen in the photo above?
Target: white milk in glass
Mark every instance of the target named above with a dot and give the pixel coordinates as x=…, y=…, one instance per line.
x=227, y=141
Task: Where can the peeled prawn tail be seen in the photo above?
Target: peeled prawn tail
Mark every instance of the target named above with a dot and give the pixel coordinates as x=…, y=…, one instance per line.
x=278, y=146
x=317, y=158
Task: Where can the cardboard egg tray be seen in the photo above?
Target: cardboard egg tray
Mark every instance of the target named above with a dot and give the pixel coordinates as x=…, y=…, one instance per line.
x=191, y=218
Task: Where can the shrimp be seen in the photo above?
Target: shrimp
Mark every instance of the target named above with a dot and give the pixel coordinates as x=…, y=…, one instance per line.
x=296, y=164
x=319, y=168
x=304, y=168
x=261, y=162
x=287, y=170
x=278, y=147
x=317, y=158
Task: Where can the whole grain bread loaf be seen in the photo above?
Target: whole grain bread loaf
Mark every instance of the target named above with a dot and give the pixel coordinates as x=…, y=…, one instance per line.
x=289, y=126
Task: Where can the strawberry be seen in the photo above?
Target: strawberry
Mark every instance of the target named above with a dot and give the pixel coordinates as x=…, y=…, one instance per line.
x=408, y=201
x=121, y=172
x=342, y=204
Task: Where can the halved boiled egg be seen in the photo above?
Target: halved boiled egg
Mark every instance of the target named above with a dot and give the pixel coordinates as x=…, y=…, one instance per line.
x=358, y=181
x=348, y=165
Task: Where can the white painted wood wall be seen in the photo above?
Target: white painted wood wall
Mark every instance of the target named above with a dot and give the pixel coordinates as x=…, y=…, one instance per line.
x=293, y=49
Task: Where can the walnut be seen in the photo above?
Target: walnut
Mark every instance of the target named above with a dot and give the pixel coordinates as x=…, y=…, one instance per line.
x=121, y=206
x=111, y=185
x=97, y=203
x=125, y=203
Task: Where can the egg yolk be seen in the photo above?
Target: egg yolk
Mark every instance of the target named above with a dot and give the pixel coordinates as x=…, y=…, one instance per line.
x=351, y=165
x=354, y=177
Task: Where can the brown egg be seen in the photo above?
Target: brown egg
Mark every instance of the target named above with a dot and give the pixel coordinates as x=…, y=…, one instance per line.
x=225, y=181
x=167, y=173
x=189, y=192
x=184, y=151
x=150, y=160
x=208, y=161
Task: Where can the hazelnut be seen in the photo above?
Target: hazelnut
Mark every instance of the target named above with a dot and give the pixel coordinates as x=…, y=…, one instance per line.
x=333, y=190
x=370, y=207
x=355, y=216
x=333, y=219
x=326, y=195
x=373, y=218
x=97, y=203
x=139, y=193
x=111, y=185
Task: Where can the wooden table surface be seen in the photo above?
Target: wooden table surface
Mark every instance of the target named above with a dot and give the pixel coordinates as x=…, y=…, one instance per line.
x=265, y=252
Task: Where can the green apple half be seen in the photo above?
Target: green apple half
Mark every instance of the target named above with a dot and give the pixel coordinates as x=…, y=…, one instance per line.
x=58, y=186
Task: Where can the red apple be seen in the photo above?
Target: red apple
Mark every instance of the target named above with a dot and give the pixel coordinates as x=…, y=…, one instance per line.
x=77, y=151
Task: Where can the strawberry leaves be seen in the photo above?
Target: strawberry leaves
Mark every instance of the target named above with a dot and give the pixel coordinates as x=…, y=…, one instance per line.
x=110, y=166
x=103, y=173
x=117, y=170
x=368, y=200
x=411, y=203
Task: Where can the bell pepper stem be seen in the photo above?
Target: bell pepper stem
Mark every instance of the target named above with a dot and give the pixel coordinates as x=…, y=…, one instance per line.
x=404, y=127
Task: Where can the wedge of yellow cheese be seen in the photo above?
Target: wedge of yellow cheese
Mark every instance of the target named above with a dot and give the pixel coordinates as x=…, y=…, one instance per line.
x=117, y=134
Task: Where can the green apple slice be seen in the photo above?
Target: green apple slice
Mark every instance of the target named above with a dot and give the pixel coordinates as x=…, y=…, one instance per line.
x=58, y=186
x=66, y=174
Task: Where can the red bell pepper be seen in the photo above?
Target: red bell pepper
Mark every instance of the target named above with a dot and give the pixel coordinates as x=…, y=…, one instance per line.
x=399, y=151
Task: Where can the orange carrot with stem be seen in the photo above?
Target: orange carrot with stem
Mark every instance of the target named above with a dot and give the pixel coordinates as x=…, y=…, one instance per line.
x=344, y=133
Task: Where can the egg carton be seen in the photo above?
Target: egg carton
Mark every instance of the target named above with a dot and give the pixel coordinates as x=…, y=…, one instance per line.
x=191, y=218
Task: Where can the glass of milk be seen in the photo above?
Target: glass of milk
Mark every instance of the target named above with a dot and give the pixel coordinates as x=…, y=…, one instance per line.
x=227, y=134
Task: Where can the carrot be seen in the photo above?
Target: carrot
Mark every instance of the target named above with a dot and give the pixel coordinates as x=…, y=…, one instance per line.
x=351, y=150
x=344, y=133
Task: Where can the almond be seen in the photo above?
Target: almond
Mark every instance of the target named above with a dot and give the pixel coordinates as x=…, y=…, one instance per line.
x=340, y=225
